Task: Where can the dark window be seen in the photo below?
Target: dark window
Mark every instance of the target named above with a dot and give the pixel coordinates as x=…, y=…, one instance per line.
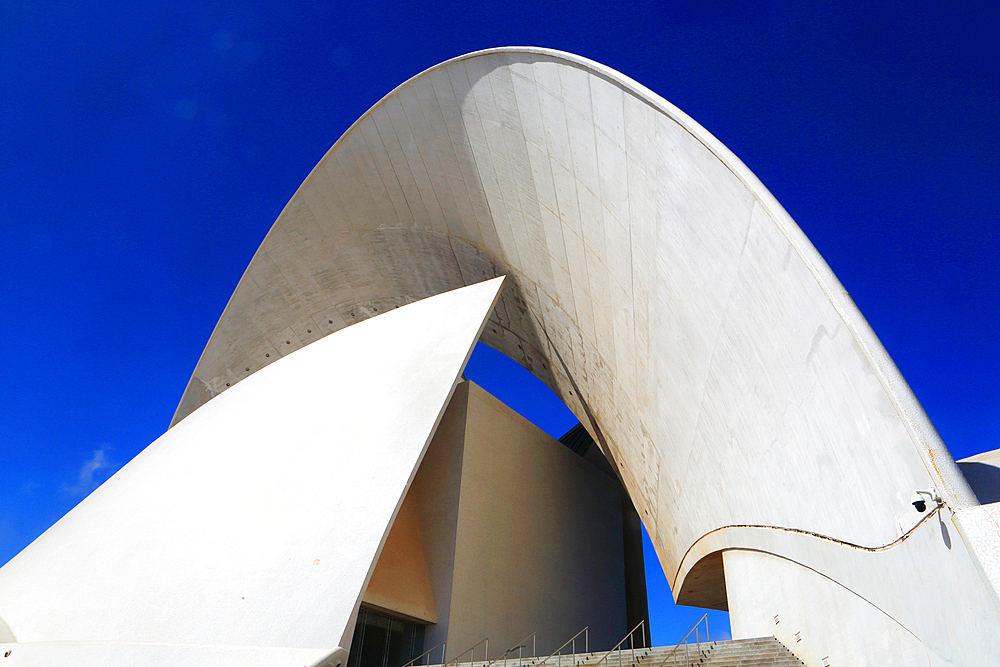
x=383, y=641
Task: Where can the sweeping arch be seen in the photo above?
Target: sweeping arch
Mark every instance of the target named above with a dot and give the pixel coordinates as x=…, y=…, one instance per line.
x=655, y=285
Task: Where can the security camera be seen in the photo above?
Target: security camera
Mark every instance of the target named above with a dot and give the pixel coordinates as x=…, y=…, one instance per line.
x=920, y=503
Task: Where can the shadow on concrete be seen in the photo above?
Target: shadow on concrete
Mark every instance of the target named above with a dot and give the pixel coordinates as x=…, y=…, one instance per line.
x=984, y=480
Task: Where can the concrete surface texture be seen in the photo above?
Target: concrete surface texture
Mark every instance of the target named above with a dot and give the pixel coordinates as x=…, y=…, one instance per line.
x=247, y=534
x=667, y=298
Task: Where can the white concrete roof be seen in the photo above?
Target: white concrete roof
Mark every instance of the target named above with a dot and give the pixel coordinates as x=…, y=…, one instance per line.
x=655, y=285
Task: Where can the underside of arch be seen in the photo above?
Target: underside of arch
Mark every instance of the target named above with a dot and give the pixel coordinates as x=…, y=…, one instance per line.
x=705, y=584
x=654, y=284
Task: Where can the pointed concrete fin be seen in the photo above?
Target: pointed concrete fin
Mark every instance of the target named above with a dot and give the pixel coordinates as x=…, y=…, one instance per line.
x=258, y=519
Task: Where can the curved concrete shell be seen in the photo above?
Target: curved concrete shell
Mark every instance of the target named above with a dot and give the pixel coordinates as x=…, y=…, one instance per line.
x=661, y=291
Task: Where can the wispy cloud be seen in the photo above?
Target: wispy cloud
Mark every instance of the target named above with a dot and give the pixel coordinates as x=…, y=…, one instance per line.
x=93, y=471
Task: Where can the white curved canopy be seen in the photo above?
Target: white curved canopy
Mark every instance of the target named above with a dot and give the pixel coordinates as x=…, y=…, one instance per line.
x=655, y=285
x=767, y=441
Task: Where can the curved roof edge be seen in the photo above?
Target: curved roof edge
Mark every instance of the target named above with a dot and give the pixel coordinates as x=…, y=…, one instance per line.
x=327, y=213
x=932, y=450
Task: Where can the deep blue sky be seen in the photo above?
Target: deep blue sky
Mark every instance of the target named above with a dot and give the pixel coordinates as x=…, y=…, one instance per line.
x=146, y=148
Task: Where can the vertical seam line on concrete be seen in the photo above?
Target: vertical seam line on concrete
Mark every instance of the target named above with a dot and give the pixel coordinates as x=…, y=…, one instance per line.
x=422, y=158
x=477, y=117
x=387, y=182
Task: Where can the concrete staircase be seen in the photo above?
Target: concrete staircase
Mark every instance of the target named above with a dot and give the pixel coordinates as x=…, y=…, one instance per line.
x=750, y=652
x=759, y=652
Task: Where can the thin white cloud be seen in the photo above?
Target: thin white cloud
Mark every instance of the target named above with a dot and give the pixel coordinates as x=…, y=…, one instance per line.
x=94, y=471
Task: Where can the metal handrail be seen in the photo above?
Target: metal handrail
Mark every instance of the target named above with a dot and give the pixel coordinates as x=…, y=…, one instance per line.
x=642, y=625
x=473, y=649
x=518, y=646
x=694, y=629
x=426, y=652
x=571, y=639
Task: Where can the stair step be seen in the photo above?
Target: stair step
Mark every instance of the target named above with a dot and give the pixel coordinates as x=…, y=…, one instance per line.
x=756, y=652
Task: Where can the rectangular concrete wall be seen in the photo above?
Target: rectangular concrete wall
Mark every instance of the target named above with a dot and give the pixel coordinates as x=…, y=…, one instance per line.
x=539, y=546
x=519, y=535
